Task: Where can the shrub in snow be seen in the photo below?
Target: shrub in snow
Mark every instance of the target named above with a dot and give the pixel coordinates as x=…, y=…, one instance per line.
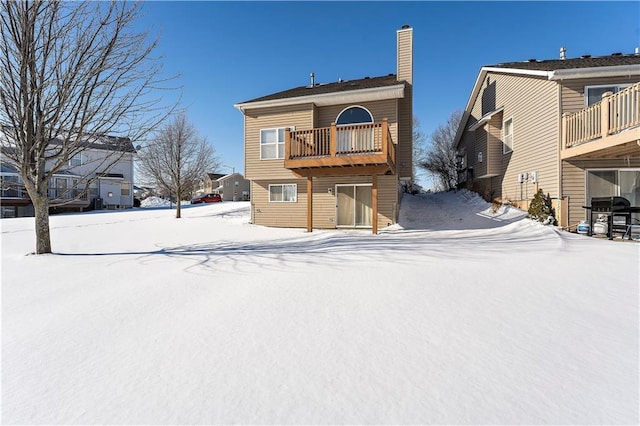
x=541, y=209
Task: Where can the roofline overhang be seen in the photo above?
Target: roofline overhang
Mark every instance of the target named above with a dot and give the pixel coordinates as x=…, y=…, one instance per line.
x=595, y=72
x=335, y=98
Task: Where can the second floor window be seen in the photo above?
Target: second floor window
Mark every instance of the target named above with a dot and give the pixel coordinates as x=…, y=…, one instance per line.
x=593, y=94
x=272, y=143
x=76, y=160
x=507, y=145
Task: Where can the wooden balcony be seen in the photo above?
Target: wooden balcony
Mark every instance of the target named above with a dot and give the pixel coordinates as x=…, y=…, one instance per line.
x=357, y=149
x=607, y=129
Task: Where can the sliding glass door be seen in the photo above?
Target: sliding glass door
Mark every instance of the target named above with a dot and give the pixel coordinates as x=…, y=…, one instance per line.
x=353, y=206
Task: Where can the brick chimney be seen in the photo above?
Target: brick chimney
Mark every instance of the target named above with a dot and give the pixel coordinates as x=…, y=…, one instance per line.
x=404, y=153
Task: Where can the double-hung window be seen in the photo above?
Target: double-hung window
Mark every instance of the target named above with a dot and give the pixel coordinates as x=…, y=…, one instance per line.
x=593, y=94
x=76, y=160
x=285, y=193
x=507, y=139
x=272, y=143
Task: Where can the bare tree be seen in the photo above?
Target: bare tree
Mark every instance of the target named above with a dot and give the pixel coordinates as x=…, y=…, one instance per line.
x=419, y=149
x=440, y=158
x=70, y=74
x=177, y=159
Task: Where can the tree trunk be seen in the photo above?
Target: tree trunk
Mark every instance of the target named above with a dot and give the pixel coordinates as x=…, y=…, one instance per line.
x=178, y=203
x=43, y=235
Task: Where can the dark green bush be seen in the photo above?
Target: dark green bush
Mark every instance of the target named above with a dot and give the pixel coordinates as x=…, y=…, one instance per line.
x=541, y=209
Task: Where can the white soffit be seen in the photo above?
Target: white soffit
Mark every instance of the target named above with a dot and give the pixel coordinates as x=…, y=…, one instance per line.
x=485, y=118
x=334, y=98
x=595, y=72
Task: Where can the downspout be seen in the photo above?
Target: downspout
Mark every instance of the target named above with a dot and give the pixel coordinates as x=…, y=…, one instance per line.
x=559, y=157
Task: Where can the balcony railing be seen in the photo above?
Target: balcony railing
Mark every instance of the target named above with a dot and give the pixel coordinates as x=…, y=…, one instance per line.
x=354, y=145
x=615, y=113
x=67, y=194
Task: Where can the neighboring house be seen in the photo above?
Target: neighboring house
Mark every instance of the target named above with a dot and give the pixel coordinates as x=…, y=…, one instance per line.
x=112, y=186
x=232, y=187
x=332, y=155
x=209, y=182
x=570, y=127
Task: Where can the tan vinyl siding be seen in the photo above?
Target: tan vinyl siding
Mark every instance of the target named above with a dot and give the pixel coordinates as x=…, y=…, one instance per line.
x=380, y=110
x=300, y=116
x=574, y=182
x=404, y=152
x=494, y=145
x=294, y=215
x=532, y=102
x=481, y=149
x=405, y=55
x=573, y=90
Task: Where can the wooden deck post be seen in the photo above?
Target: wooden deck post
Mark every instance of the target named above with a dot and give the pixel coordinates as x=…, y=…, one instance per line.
x=604, y=114
x=287, y=143
x=385, y=131
x=374, y=204
x=333, y=140
x=310, y=204
x=563, y=142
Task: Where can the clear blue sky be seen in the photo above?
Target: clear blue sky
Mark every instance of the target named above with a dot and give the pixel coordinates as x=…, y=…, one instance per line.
x=230, y=52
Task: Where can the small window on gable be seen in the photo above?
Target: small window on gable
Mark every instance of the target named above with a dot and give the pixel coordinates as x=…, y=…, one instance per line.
x=354, y=115
x=76, y=160
x=507, y=139
x=593, y=94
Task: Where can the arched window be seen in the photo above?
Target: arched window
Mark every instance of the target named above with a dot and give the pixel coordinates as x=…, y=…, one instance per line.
x=352, y=138
x=354, y=115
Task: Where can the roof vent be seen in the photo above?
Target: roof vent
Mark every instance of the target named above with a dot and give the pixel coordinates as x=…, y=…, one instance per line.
x=585, y=56
x=340, y=80
x=313, y=79
x=616, y=54
x=563, y=53
x=532, y=60
x=405, y=27
x=366, y=78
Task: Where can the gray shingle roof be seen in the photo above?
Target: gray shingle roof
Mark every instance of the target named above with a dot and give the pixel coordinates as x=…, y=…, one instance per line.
x=617, y=59
x=322, y=88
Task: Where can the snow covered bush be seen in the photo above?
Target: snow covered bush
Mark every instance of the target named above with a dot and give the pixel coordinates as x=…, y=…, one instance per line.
x=541, y=209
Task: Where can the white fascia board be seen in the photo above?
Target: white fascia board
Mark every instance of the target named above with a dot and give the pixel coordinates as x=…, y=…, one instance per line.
x=595, y=72
x=334, y=98
x=518, y=71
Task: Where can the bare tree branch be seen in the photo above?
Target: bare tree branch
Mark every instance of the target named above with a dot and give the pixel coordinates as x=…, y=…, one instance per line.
x=440, y=158
x=70, y=74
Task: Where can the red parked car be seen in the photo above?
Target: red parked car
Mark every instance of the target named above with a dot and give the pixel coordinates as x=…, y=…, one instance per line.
x=206, y=198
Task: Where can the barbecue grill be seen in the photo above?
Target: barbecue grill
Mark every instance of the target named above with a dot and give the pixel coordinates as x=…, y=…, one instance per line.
x=613, y=207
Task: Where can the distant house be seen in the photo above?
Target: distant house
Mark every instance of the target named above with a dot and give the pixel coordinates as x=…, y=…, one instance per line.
x=112, y=186
x=570, y=127
x=233, y=187
x=209, y=182
x=332, y=155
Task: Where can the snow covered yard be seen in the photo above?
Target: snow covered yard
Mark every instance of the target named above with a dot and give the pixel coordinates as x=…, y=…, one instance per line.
x=455, y=316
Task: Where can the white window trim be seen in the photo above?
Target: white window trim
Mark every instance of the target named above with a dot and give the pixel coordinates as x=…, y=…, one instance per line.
x=79, y=154
x=620, y=86
x=295, y=185
x=504, y=136
x=354, y=106
x=277, y=157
